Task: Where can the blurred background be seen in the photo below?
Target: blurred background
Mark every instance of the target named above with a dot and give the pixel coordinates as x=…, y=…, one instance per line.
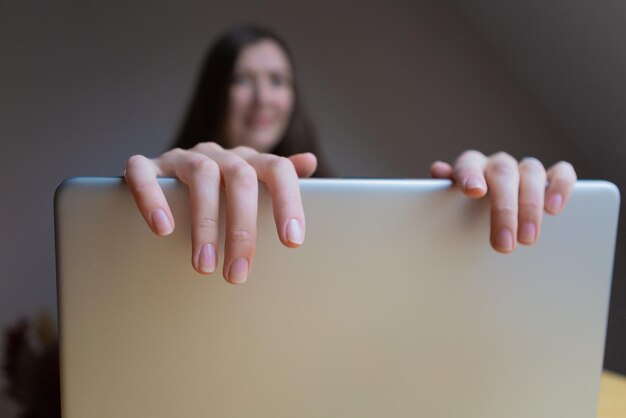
x=391, y=85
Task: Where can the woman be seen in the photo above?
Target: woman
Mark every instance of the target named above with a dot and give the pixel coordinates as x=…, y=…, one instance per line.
x=247, y=101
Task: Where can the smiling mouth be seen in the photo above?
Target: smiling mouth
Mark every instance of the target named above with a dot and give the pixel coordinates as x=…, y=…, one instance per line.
x=260, y=121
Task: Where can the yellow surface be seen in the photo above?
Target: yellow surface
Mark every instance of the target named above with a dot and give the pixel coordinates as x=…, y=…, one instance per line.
x=612, y=403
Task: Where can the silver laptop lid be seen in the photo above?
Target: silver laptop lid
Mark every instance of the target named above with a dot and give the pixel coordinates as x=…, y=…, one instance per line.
x=395, y=306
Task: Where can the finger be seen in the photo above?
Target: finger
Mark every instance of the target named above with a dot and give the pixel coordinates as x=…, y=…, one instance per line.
x=207, y=148
x=469, y=174
x=502, y=175
x=561, y=180
x=141, y=176
x=241, y=185
x=305, y=164
x=531, y=200
x=244, y=152
x=281, y=179
x=441, y=170
x=202, y=175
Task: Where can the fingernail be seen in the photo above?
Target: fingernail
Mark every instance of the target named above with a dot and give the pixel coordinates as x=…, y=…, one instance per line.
x=161, y=223
x=554, y=203
x=207, y=259
x=527, y=233
x=238, y=272
x=504, y=240
x=294, y=232
x=472, y=183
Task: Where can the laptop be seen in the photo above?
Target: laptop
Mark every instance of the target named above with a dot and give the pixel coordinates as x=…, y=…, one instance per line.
x=395, y=306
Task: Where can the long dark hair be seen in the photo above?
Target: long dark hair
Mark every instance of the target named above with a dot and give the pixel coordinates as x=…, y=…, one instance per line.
x=207, y=110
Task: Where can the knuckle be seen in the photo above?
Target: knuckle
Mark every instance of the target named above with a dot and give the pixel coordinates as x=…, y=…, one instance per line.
x=174, y=152
x=502, y=163
x=241, y=236
x=505, y=209
x=277, y=163
x=469, y=154
x=565, y=165
x=135, y=161
x=245, y=149
x=500, y=167
x=505, y=157
x=240, y=170
x=562, y=179
x=206, y=147
x=204, y=167
x=207, y=222
x=531, y=164
x=531, y=206
x=172, y=156
x=568, y=169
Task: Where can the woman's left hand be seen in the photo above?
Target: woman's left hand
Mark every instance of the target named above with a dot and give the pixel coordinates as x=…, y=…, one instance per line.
x=517, y=192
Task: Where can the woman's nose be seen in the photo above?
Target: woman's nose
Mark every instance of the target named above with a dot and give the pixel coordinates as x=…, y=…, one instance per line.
x=263, y=93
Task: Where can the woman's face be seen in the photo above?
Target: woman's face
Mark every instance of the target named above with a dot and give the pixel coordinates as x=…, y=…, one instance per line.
x=261, y=97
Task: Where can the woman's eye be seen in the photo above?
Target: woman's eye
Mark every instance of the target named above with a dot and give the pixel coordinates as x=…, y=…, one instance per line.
x=279, y=80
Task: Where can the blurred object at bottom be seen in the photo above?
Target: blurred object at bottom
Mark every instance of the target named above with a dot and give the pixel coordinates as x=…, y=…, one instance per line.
x=31, y=367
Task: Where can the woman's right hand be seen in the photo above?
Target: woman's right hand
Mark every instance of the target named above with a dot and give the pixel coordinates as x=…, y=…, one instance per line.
x=204, y=169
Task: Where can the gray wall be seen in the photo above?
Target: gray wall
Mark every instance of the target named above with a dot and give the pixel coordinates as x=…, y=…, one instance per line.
x=391, y=85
